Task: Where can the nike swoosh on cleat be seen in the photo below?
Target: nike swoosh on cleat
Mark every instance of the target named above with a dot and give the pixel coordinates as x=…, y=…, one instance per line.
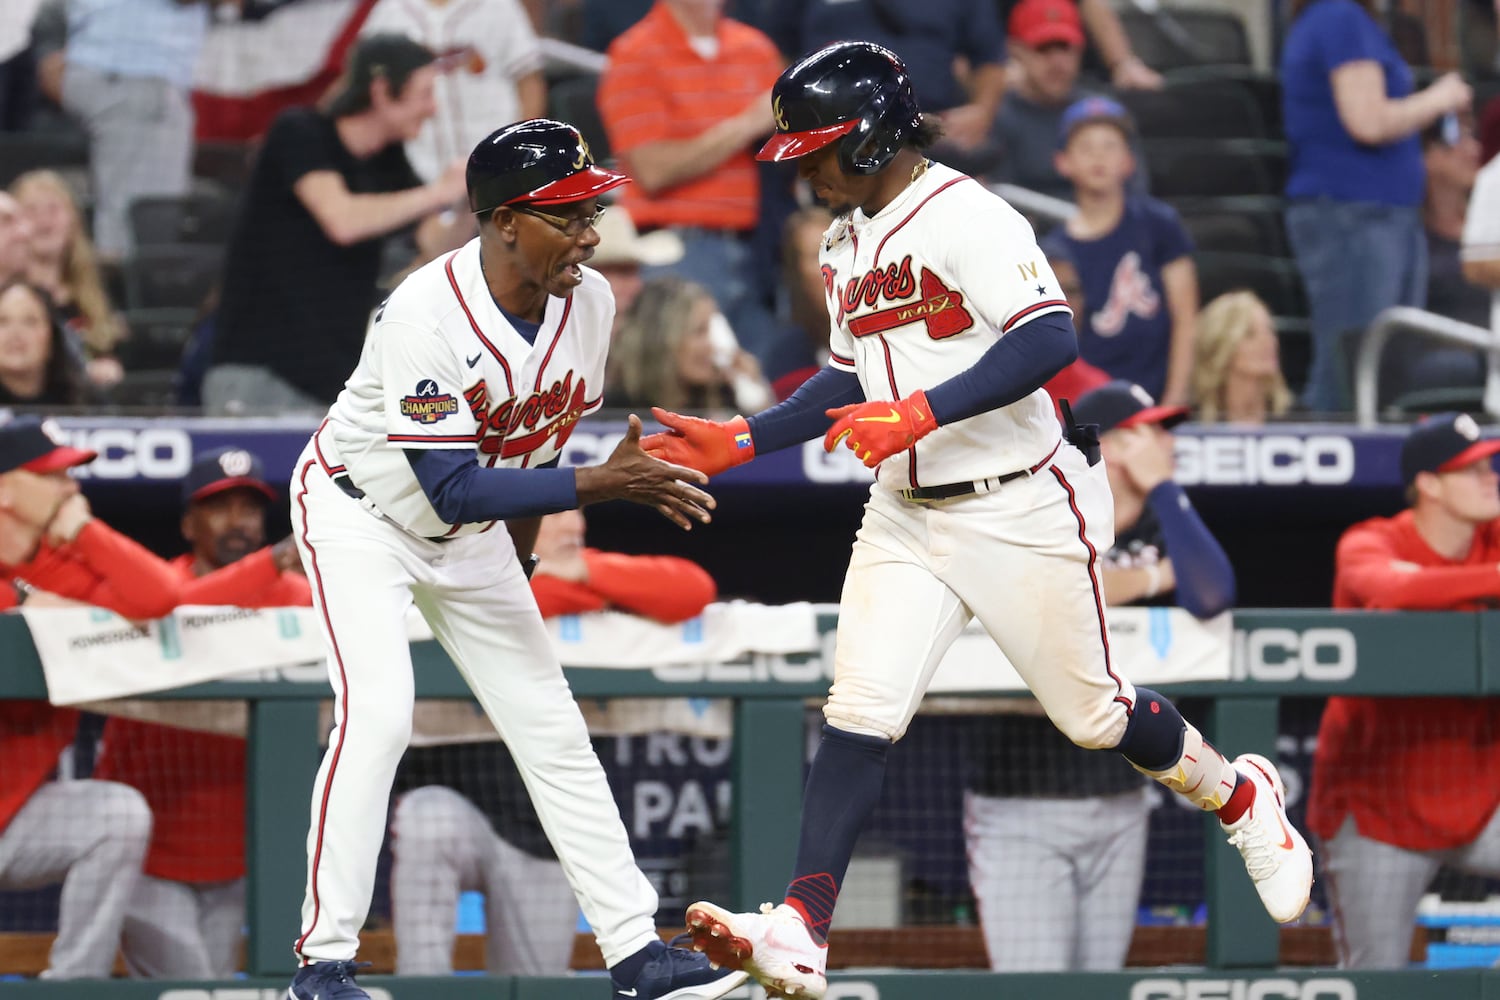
x=1286, y=835
x=473, y=361
x=628, y=993
x=894, y=418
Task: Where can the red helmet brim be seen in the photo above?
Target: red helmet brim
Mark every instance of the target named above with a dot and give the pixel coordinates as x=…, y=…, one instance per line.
x=587, y=183
x=59, y=458
x=1166, y=416
x=790, y=145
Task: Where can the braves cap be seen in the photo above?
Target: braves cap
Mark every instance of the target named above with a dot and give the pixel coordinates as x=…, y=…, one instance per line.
x=225, y=469
x=1090, y=110
x=1444, y=442
x=38, y=446
x=1035, y=23
x=1119, y=404
x=541, y=161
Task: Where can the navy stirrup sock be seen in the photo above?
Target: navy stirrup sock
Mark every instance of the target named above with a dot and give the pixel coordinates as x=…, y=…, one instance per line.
x=843, y=787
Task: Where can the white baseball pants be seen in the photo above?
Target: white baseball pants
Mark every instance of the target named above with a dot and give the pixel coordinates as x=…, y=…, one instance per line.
x=442, y=846
x=366, y=573
x=1024, y=560
x=92, y=837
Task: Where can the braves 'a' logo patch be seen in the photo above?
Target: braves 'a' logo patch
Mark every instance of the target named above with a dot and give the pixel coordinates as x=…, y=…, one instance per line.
x=428, y=404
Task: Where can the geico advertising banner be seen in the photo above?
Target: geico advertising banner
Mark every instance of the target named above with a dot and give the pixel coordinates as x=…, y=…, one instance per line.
x=1298, y=456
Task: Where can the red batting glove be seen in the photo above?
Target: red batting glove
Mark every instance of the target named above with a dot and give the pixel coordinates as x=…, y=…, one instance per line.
x=876, y=431
x=706, y=445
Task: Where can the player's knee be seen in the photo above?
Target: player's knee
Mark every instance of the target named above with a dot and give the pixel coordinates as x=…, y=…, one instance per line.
x=1100, y=729
x=1152, y=739
x=861, y=723
x=424, y=819
x=127, y=817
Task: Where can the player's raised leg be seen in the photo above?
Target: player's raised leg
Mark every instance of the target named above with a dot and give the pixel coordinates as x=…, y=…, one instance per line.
x=491, y=628
x=880, y=674
x=1051, y=626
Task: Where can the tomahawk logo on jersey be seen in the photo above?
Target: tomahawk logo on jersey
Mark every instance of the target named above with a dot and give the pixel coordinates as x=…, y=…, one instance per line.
x=444, y=368
x=918, y=294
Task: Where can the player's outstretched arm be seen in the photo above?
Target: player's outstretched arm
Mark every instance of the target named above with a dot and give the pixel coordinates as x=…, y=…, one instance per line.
x=712, y=446
x=631, y=474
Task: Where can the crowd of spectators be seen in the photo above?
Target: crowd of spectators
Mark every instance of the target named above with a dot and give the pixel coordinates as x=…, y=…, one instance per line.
x=1391, y=197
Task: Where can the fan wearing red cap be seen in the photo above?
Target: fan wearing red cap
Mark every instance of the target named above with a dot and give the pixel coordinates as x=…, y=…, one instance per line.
x=1410, y=781
x=475, y=373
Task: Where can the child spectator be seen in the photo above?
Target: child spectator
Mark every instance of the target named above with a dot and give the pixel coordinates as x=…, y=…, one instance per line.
x=666, y=348
x=36, y=367
x=63, y=262
x=1237, y=376
x=1132, y=255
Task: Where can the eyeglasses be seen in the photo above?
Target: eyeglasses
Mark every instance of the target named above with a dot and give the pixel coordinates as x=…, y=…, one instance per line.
x=570, y=226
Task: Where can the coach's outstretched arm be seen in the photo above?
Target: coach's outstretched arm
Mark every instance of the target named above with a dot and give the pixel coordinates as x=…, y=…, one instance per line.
x=462, y=491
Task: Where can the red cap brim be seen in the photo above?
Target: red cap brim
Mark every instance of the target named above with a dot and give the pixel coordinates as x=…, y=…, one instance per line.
x=1166, y=416
x=1471, y=454
x=62, y=457
x=233, y=483
x=1049, y=32
x=591, y=181
x=790, y=145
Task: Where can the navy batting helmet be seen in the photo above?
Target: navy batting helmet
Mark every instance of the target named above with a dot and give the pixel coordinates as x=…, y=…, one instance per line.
x=855, y=93
x=540, y=161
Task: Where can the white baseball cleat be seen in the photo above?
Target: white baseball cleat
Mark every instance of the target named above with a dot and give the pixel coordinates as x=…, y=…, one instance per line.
x=774, y=945
x=1276, y=856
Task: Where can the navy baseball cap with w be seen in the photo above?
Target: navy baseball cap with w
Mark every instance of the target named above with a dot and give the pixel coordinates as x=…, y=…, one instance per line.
x=38, y=446
x=1121, y=404
x=225, y=469
x=1444, y=442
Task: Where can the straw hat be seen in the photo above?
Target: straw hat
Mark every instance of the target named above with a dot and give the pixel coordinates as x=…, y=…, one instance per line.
x=620, y=243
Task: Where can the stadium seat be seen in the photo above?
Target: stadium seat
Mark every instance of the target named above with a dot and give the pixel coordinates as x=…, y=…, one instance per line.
x=176, y=276
x=227, y=163
x=1275, y=280
x=1187, y=168
x=1207, y=109
x=190, y=219
x=65, y=152
x=157, y=337
x=1264, y=89
x=1237, y=225
x=146, y=388
x=1176, y=37
x=574, y=100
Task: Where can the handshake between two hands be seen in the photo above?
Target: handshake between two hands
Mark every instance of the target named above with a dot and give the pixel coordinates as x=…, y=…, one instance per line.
x=873, y=431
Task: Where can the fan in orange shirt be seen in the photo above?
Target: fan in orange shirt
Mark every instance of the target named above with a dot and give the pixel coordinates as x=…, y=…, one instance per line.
x=463, y=822
x=185, y=918
x=1403, y=786
x=90, y=836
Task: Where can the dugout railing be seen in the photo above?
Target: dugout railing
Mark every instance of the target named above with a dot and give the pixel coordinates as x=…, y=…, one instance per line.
x=1278, y=654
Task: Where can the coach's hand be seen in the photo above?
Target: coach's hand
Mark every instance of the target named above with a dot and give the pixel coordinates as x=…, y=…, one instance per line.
x=706, y=445
x=876, y=431
x=631, y=474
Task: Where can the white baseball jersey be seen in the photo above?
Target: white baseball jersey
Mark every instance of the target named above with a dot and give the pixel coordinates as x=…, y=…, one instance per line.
x=443, y=368
x=478, y=92
x=917, y=294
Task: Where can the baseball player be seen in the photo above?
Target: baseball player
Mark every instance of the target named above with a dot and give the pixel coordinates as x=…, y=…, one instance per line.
x=474, y=374
x=946, y=323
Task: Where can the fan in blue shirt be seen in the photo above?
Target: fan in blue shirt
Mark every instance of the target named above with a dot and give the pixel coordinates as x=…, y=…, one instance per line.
x=1140, y=288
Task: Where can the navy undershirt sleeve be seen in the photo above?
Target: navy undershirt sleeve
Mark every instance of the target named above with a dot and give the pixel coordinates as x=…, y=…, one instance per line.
x=1017, y=365
x=1205, y=578
x=463, y=492
x=801, y=417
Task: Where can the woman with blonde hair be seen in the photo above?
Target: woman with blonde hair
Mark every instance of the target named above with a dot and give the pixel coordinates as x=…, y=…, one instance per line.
x=673, y=349
x=64, y=264
x=1237, y=375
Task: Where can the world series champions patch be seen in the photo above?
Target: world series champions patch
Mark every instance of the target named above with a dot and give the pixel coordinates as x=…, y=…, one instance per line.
x=426, y=405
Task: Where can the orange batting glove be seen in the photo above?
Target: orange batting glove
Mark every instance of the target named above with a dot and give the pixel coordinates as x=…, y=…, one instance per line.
x=876, y=431
x=706, y=445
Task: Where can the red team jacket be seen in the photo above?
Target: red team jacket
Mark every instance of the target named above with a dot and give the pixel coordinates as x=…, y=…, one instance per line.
x=195, y=781
x=1413, y=772
x=33, y=733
